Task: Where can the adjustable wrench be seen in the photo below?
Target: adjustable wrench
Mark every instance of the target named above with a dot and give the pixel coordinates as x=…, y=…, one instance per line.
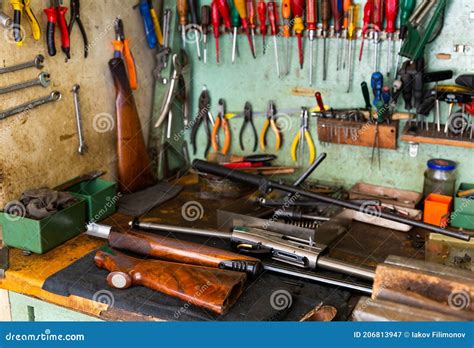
x=42, y=80
x=80, y=132
x=27, y=107
x=37, y=63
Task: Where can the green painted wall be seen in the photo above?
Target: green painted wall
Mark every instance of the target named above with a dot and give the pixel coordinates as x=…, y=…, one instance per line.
x=256, y=81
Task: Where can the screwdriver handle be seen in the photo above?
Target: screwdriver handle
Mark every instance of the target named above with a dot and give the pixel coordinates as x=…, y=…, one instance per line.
x=52, y=17
x=193, y=12
x=182, y=6
x=346, y=7
x=262, y=17
x=224, y=11
x=150, y=34
x=251, y=13
x=368, y=11
x=406, y=9
x=205, y=18
x=377, y=86
x=311, y=14
x=319, y=100
x=241, y=8
x=366, y=95
x=216, y=19
x=286, y=15
x=297, y=7
x=17, y=11
x=391, y=11
x=273, y=18
x=234, y=16
x=65, y=41
x=352, y=22
x=325, y=14
x=336, y=12
x=377, y=18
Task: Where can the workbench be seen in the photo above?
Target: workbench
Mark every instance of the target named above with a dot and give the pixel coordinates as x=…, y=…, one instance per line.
x=363, y=244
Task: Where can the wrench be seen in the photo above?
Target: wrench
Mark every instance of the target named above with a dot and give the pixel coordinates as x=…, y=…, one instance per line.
x=80, y=132
x=42, y=80
x=27, y=107
x=37, y=63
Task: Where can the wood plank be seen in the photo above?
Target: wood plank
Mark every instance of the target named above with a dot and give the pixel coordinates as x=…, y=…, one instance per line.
x=433, y=137
x=5, y=314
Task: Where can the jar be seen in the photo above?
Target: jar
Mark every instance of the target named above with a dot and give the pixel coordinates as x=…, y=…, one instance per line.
x=440, y=177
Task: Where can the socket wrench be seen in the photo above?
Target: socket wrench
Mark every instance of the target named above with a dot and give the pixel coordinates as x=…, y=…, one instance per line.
x=80, y=132
x=35, y=63
x=27, y=107
x=42, y=80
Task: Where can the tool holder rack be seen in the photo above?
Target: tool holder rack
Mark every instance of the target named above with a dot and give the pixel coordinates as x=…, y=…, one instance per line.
x=432, y=136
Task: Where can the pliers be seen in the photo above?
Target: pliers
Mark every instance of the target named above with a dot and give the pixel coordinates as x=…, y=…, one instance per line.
x=122, y=50
x=18, y=7
x=248, y=119
x=204, y=115
x=76, y=17
x=56, y=14
x=270, y=121
x=301, y=136
x=221, y=121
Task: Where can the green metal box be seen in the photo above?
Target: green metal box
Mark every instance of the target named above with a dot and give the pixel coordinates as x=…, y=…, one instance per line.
x=464, y=205
x=462, y=220
x=100, y=195
x=40, y=236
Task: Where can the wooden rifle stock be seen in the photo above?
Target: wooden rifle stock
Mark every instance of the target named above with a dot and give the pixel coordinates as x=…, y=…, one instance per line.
x=174, y=250
x=210, y=288
x=134, y=168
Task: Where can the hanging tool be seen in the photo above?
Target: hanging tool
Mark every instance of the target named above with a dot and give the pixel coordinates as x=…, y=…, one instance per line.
x=221, y=121
x=252, y=14
x=299, y=140
x=122, y=50
x=270, y=122
x=368, y=13
x=377, y=22
x=345, y=28
x=351, y=38
x=56, y=14
x=287, y=23
x=182, y=7
x=204, y=114
x=248, y=120
x=366, y=95
x=391, y=12
x=216, y=24
x=336, y=8
x=377, y=86
x=262, y=17
x=319, y=101
x=145, y=7
x=325, y=18
x=205, y=23
x=311, y=23
x=298, y=8
x=194, y=25
x=236, y=23
x=406, y=9
x=156, y=23
x=76, y=18
x=241, y=8
x=275, y=31
x=164, y=52
x=18, y=7
x=5, y=20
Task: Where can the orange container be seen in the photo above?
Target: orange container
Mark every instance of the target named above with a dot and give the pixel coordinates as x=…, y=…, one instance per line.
x=437, y=209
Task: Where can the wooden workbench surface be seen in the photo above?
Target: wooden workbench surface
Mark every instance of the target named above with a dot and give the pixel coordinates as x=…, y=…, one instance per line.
x=364, y=244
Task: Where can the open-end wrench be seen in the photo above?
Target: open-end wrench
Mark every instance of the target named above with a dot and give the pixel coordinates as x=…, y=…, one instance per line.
x=27, y=107
x=80, y=132
x=42, y=80
x=35, y=63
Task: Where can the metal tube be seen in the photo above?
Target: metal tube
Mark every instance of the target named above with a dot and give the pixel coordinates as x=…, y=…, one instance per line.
x=345, y=268
x=179, y=229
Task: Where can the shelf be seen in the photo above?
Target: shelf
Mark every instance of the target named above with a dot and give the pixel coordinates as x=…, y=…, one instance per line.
x=431, y=136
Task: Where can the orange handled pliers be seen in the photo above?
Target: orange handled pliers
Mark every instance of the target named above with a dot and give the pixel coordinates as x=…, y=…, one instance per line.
x=122, y=50
x=221, y=121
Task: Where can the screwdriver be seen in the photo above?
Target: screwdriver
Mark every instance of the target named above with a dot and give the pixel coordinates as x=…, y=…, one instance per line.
x=216, y=23
x=391, y=11
x=235, y=20
x=252, y=19
x=406, y=9
x=336, y=7
x=368, y=11
x=241, y=8
x=325, y=18
x=353, y=10
x=182, y=6
x=377, y=87
x=345, y=24
x=311, y=23
x=194, y=25
x=377, y=23
x=262, y=16
x=275, y=30
x=205, y=23
x=298, y=7
x=286, y=14
x=366, y=94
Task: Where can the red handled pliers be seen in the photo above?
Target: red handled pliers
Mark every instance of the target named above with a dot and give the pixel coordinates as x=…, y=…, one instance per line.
x=56, y=14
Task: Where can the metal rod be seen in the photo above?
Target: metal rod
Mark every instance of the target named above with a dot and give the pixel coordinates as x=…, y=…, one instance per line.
x=345, y=268
x=179, y=229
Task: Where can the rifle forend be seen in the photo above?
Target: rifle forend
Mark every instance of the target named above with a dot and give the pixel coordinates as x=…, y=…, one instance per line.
x=210, y=288
x=134, y=168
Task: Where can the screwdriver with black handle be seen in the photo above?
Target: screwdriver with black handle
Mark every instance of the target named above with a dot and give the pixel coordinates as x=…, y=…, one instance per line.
x=311, y=24
x=194, y=22
x=205, y=23
x=325, y=18
x=297, y=8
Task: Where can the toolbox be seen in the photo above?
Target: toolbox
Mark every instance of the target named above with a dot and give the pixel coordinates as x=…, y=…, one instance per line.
x=100, y=196
x=437, y=209
x=464, y=204
x=40, y=236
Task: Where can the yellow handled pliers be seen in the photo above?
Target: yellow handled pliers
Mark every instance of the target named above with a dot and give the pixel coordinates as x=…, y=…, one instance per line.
x=18, y=7
x=301, y=136
x=270, y=121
